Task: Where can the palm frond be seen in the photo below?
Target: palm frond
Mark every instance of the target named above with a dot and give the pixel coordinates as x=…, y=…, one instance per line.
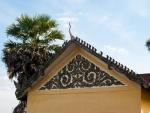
x=54, y=47
x=27, y=56
x=148, y=44
x=55, y=34
x=11, y=44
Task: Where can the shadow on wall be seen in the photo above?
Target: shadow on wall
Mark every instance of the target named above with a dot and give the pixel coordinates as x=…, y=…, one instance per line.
x=145, y=96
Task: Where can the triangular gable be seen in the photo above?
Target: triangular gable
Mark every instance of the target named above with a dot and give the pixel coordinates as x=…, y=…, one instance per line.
x=39, y=81
x=80, y=73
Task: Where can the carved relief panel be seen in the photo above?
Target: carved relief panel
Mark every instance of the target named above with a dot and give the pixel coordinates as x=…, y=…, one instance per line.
x=80, y=73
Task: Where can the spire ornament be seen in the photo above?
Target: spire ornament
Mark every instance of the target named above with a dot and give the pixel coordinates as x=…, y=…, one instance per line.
x=72, y=37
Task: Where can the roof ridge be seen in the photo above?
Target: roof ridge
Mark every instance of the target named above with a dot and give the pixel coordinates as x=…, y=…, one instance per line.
x=110, y=59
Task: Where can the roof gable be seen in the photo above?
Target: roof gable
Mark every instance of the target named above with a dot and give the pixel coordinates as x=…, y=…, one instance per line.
x=112, y=64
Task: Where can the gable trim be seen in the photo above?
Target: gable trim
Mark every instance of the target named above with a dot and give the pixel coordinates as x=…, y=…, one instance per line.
x=81, y=73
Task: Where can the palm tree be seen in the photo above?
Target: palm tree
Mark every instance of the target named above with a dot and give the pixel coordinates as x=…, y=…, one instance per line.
x=33, y=47
x=148, y=44
x=27, y=56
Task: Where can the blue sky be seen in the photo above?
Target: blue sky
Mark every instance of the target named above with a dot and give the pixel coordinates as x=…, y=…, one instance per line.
x=119, y=28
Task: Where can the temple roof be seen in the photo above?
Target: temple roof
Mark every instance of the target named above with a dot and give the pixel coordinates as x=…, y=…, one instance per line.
x=146, y=78
x=112, y=64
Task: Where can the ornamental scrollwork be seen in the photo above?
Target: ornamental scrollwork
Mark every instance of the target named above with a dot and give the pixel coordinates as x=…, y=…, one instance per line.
x=80, y=73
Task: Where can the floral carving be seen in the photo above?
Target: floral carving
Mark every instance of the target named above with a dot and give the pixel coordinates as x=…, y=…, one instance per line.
x=80, y=73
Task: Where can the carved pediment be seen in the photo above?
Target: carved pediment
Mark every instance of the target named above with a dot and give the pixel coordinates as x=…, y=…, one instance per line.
x=80, y=73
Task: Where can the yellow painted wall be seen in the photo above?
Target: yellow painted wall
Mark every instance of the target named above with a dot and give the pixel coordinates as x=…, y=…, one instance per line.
x=120, y=99
x=145, y=101
x=90, y=100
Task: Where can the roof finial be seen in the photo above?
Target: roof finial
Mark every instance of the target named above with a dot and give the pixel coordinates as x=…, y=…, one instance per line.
x=72, y=37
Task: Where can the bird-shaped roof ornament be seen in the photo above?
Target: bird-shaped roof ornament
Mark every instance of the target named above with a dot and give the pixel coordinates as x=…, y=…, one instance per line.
x=71, y=36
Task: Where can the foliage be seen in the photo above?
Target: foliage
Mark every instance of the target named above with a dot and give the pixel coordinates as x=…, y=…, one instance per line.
x=34, y=45
x=148, y=44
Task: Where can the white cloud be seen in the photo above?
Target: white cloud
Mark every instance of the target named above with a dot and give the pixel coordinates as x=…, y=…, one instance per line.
x=68, y=16
x=7, y=90
x=7, y=13
x=114, y=25
x=115, y=50
x=67, y=19
x=81, y=13
x=140, y=7
x=101, y=19
x=64, y=19
x=8, y=101
x=119, y=28
x=77, y=2
x=7, y=95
